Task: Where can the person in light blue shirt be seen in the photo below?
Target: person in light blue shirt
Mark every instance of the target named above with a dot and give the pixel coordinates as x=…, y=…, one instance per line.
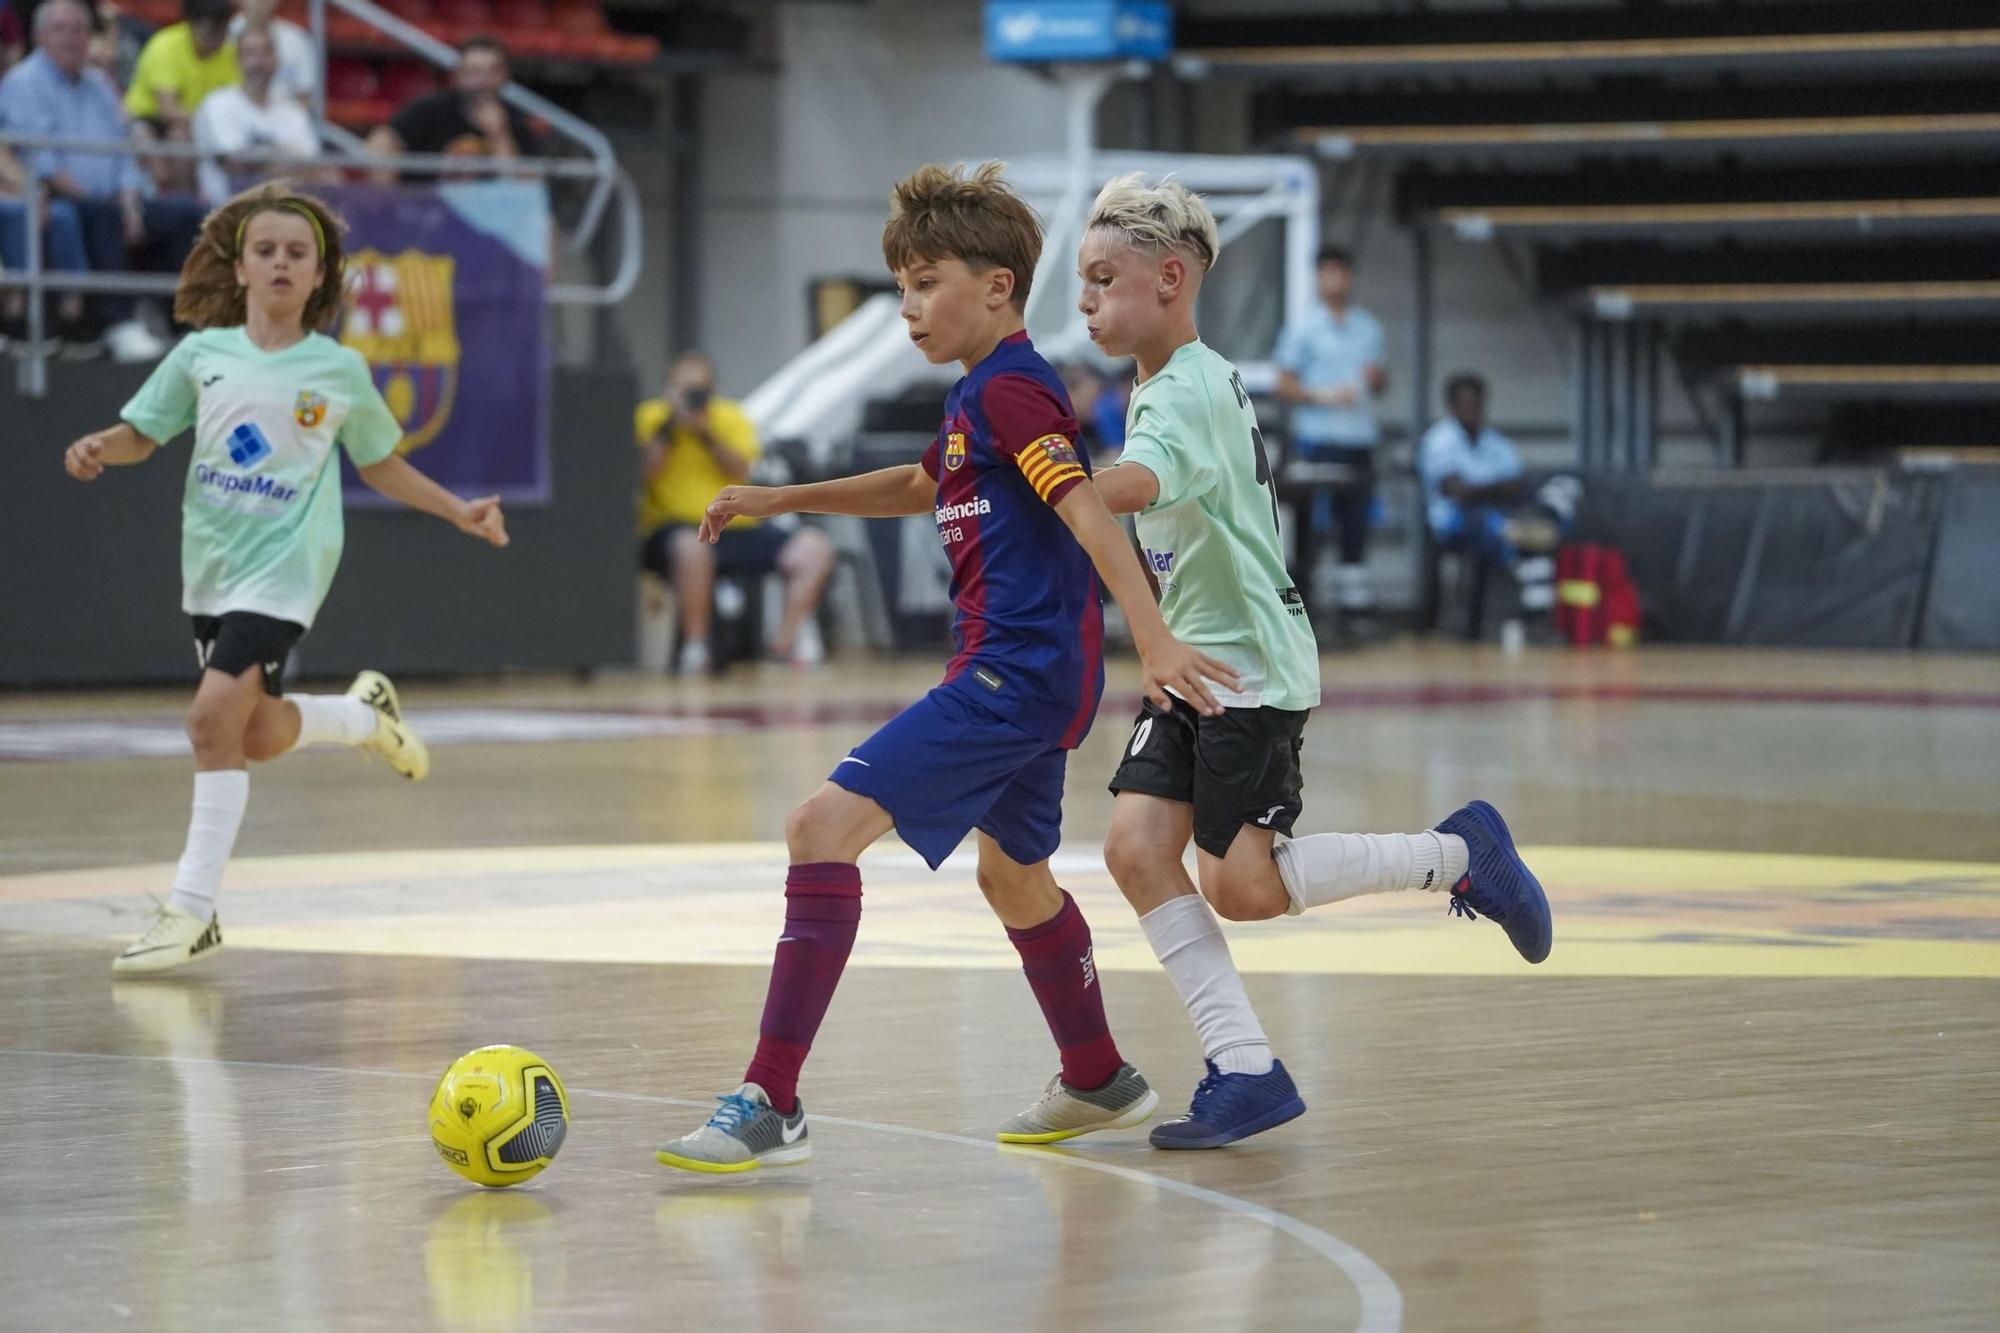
x=54, y=93
x=1476, y=493
x=1471, y=472
x=1331, y=370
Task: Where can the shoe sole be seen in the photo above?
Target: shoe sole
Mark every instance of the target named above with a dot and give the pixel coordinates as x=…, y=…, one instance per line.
x=776, y=1157
x=1137, y=1115
x=1271, y=1119
x=1498, y=826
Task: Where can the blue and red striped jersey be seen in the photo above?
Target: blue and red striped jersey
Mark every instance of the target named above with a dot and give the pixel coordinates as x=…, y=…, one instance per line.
x=1029, y=633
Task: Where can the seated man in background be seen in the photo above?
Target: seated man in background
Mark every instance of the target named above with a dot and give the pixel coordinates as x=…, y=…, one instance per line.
x=298, y=54
x=53, y=93
x=1476, y=492
x=179, y=67
x=693, y=444
x=255, y=114
x=467, y=119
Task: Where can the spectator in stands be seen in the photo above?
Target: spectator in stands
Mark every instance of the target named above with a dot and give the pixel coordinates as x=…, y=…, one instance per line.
x=62, y=249
x=1476, y=493
x=692, y=445
x=298, y=54
x=1331, y=370
x=182, y=64
x=51, y=93
x=1100, y=413
x=255, y=114
x=466, y=119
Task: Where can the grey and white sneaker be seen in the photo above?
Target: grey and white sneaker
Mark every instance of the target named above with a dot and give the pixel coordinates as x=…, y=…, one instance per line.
x=1065, y=1112
x=746, y=1133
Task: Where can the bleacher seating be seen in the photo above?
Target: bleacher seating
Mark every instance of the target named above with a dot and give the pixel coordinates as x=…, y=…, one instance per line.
x=573, y=32
x=1789, y=197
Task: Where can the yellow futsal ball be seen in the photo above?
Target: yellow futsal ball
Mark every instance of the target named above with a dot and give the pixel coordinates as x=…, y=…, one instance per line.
x=498, y=1116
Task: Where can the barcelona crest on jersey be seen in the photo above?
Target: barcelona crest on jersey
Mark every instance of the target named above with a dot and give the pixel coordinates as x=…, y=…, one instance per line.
x=954, y=451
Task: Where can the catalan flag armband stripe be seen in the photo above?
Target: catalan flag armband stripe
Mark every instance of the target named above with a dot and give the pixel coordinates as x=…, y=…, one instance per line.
x=1050, y=465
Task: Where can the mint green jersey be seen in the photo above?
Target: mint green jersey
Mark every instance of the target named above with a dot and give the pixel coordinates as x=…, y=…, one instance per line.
x=1211, y=536
x=260, y=518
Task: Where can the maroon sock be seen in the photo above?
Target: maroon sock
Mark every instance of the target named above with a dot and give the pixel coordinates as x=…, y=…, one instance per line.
x=822, y=909
x=1056, y=956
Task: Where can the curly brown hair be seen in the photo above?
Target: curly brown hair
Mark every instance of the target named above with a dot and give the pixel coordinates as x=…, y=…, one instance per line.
x=208, y=295
x=943, y=213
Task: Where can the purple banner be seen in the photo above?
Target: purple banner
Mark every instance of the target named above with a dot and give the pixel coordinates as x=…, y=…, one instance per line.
x=445, y=300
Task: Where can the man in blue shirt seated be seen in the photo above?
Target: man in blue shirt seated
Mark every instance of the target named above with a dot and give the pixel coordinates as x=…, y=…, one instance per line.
x=54, y=94
x=1476, y=493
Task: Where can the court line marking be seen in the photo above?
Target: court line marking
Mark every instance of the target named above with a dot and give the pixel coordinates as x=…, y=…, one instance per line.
x=1381, y=1299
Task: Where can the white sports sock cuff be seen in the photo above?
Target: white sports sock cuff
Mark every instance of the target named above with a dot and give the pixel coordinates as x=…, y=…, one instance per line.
x=332, y=719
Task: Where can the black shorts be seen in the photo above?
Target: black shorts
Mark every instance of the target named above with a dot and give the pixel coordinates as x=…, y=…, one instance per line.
x=739, y=551
x=1236, y=769
x=235, y=641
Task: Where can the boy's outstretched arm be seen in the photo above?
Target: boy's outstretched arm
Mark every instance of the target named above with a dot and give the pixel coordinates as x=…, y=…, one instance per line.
x=1126, y=488
x=1164, y=661
x=116, y=447
x=402, y=483
x=884, y=493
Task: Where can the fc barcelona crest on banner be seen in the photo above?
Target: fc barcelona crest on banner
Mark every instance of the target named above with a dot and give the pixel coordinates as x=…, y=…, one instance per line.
x=310, y=409
x=954, y=451
x=446, y=303
x=399, y=316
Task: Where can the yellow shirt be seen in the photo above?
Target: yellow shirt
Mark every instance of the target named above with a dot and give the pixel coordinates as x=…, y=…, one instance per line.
x=689, y=478
x=169, y=64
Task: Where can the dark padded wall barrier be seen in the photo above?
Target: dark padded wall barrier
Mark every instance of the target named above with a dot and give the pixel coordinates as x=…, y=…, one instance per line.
x=1963, y=606
x=90, y=575
x=1843, y=561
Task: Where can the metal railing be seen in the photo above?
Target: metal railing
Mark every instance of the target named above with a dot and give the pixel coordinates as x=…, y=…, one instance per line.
x=39, y=281
x=446, y=57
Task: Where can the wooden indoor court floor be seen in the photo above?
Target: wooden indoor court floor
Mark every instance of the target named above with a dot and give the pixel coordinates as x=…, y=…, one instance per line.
x=1757, y=1085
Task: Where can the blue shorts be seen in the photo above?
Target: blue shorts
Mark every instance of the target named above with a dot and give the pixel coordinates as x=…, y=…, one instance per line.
x=945, y=766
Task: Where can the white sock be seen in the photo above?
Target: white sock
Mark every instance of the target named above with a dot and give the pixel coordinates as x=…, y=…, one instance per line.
x=332, y=719
x=1329, y=867
x=1189, y=944
x=219, y=799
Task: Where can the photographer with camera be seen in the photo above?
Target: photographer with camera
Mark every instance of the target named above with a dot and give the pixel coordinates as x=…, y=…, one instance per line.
x=692, y=444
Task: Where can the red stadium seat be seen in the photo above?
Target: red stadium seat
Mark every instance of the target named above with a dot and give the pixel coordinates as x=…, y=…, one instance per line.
x=519, y=16
x=359, y=114
x=158, y=13
x=578, y=16
x=465, y=18
x=351, y=81
x=404, y=81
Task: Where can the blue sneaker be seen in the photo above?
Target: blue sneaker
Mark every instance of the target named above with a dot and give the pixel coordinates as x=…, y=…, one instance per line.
x=1498, y=883
x=1228, y=1107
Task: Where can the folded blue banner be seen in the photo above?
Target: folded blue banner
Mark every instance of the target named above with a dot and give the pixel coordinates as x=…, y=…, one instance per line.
x=1062, y=30
x=445, y=300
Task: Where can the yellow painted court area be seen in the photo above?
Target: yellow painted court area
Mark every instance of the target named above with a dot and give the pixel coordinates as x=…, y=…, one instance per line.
x=1619, y=912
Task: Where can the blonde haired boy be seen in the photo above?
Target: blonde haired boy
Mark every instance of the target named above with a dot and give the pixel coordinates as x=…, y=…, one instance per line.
x=1196, y=473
